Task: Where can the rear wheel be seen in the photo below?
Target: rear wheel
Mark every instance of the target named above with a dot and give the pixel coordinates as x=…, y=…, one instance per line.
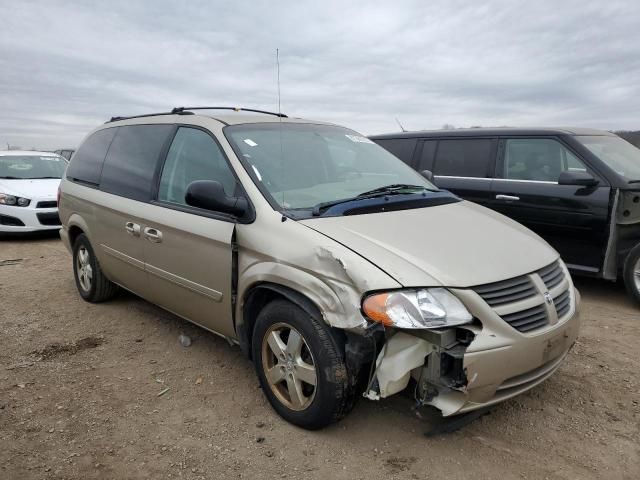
x=300, y=364
x=632, y=273
x=91, y=283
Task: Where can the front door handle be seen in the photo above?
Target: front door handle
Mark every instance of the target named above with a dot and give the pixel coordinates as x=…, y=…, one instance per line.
x=508, y=198
x=132, y=229
x=153, y=235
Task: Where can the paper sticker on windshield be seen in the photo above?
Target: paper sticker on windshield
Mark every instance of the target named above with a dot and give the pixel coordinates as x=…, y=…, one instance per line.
x=250, y=142
x=358, y=139
x=50, y=159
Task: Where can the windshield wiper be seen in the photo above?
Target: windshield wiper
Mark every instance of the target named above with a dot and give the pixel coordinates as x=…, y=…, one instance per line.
x=11, y=178
x=393, y=188
x=41, y=178
x=634, y=181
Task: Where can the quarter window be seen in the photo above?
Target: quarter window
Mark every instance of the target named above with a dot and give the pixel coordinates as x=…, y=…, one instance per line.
x=193, y=155
x=131, y=162
x=400, y=147
x=538, y=159
x=463, y=157
x=87, y=162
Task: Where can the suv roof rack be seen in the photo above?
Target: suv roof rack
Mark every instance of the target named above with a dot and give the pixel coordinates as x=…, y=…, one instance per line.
x=187, y=111
x=181, y=110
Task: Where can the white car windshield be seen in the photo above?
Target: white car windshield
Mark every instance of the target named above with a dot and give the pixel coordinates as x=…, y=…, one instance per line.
x=619, y=154
x=26, y=167
x=302, y=166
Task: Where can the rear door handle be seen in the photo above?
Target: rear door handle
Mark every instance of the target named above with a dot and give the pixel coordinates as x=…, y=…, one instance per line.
x=153, y=235
x=508, y=198
x=132, y=229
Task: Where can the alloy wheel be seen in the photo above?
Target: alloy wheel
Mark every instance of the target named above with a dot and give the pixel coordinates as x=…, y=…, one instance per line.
x=289, y=366
x=83, y=268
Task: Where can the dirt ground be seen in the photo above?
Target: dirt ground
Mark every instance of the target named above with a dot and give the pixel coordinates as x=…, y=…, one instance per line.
x=80, y=398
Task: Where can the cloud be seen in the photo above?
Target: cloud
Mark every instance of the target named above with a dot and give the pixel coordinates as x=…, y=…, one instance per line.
x=69, y=66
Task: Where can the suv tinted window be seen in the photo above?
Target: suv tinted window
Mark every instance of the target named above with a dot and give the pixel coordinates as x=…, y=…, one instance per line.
x=131, y=162
x=540, y=159
x=400, y=147
x=87, y=162
x=193, y=155
x=428, y=152
x=464, y=157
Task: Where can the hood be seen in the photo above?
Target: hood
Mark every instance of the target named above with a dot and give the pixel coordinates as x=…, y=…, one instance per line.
x=457, y=245
x=34, y=188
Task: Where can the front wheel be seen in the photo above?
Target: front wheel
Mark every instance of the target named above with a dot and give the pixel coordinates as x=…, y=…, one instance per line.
x=631, y=273
x=300, y=365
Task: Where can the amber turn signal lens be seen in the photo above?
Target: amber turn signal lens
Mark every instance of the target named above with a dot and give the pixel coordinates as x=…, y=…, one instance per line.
x=375, y=308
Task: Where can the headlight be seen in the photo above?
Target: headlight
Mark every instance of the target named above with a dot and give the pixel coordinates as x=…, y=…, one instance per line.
x=6, y=199
x=425, y=308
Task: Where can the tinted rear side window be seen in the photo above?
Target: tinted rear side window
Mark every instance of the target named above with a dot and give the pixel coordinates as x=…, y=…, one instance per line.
x=400, y=147
x=426, y=157
x=132, y=159
x=464, y=157
x=87, y=161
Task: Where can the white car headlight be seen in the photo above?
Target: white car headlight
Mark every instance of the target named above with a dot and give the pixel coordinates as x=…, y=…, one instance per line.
x=424, y=308
x=6, y=199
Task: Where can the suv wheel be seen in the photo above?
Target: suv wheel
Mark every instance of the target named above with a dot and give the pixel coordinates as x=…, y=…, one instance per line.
x=301, y=367
x=91, y=283
x=631, y=273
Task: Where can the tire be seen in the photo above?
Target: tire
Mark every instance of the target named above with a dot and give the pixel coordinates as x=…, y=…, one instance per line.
x=322, y=349
x=91, y=283
x=631, y=273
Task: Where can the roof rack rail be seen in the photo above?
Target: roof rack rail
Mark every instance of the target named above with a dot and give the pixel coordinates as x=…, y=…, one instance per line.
x=181, y=110
x=115, y=119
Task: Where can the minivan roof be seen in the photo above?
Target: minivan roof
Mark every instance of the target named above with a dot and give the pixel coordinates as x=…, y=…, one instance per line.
x=493, y=131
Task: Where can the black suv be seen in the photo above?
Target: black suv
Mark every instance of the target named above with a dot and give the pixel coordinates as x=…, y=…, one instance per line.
x=579, y=189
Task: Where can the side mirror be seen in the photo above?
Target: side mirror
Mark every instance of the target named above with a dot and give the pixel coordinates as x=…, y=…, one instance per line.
x=428, y=174
x=209, y=194
x=582, y=179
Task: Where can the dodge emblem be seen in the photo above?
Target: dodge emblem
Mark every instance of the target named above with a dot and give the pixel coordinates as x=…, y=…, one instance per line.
x=548, y=298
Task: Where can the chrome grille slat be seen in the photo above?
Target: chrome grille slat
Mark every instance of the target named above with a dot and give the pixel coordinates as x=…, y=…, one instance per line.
x=551, y=275
x=506, y=291
x=522, y=292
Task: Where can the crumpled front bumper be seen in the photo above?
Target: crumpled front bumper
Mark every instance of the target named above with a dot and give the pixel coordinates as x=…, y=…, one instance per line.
x=498, y=364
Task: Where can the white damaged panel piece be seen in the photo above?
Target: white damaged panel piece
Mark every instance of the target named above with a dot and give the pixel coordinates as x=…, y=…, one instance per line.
x=401, y=354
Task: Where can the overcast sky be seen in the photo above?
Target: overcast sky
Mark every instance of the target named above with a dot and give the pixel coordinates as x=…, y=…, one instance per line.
x=66, y=67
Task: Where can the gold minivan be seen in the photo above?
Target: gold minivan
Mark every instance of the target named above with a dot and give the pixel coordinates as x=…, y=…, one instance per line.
x=338, y=269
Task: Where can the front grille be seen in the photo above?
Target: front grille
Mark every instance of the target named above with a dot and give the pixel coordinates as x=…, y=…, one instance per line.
x=551, y=275
x=507, y=298
x=11, y=221
x=47, y=204
x=529, y=319
x=49, y=218
x=506, y=291
x=562, y=303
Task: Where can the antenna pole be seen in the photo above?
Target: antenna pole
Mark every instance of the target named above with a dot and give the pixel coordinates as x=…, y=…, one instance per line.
x=400, y=125
x=278, y=69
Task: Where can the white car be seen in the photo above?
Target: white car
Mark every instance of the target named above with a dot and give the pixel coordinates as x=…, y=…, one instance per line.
x=28, y=190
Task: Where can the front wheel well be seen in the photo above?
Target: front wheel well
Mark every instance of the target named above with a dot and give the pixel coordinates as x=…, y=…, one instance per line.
x=258, y=297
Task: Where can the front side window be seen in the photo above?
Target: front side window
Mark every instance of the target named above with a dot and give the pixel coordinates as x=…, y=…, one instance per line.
x=617, y=153
x=31, y=166
x=538, y=159
x=303, y=166
x=193, y=155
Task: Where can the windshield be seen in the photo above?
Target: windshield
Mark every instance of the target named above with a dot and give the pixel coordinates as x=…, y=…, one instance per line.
x=25, y=167
x=302, y=166
x=619, y=154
